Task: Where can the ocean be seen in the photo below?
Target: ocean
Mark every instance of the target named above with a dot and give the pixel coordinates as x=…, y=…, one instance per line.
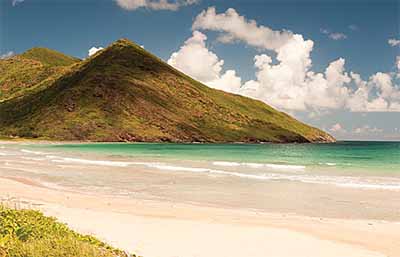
x=369, y=156
x=299, y=178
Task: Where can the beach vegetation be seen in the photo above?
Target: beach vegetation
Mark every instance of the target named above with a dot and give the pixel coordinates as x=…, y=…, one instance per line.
x=28, y=233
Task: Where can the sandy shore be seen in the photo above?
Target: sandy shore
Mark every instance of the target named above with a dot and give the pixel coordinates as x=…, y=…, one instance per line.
x=166, y=229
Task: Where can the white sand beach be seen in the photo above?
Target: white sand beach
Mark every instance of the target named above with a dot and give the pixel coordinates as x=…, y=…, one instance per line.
x=194, y=128
x=166, y=229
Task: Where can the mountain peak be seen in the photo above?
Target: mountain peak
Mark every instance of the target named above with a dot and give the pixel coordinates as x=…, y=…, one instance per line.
x=124, y=41
x=128, y=54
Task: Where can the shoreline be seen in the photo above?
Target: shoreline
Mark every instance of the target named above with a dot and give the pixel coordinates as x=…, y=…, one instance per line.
x=180, y=174
x=109, y=218
x=57, y=141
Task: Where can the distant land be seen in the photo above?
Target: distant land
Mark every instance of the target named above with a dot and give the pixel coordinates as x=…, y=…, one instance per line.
x=124, y=93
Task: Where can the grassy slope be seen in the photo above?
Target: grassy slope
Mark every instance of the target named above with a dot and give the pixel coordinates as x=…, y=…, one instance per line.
x=27, y=233
x=125, y=93
x=49, y=57
x=31, y=71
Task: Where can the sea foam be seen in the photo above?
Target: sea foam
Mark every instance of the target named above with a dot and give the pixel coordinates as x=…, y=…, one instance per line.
x=267, y=175
x=260, y=165
x=32, y=152
x=342, y=181
x=92, y=162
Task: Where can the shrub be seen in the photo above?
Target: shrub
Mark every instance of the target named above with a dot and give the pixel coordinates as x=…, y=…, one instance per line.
x=28, y=233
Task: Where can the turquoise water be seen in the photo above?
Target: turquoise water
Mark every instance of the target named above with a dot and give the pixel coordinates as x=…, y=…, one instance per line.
x=350, y=155
x=357, y=179
x=368, y=165
x=345, y=179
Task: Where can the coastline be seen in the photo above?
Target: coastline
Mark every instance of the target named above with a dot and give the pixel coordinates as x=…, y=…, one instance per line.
x=155, y=228
x=6, y=140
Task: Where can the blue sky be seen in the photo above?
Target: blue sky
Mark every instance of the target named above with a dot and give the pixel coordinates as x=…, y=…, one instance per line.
x=362, y=30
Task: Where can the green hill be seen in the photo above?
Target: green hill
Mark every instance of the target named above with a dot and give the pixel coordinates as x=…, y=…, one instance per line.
x=31, y=71
x=49, y=57
x=124, y=93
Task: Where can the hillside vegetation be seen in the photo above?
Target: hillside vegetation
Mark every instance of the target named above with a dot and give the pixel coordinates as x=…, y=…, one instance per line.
x=49, y=57
x=31, y=71
x=124, y=93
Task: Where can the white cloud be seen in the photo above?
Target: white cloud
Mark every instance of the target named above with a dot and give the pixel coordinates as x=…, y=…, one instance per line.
x=383, y=83
x=229, y=82
x=290, y=84
x=232, y=27
x=7, y=55
x=325, y=31
x=394, y=42
x=398, y=64
x=358, y=101
x=337, y=36
x=194, y=59
x=94, y=50
x=283, y=84
x=388, y=94
x=338, y=128
x=377, y=94
x=15, y=2
x=334, y=35
x=284, y=79
x=154, y=4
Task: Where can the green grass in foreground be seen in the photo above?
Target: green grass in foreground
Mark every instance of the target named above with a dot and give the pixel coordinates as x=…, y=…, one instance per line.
x=28, y=233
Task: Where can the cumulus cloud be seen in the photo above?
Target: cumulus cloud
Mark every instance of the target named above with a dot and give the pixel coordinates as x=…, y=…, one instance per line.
x=385, y=94
x=284, y=79
x=334, y=35
x=154, y=4
x=94, y=50
x=394, y=42
x=228, y=82
x=294, y=86
x=282, y=85
x=194, y=59
x=232, y=27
